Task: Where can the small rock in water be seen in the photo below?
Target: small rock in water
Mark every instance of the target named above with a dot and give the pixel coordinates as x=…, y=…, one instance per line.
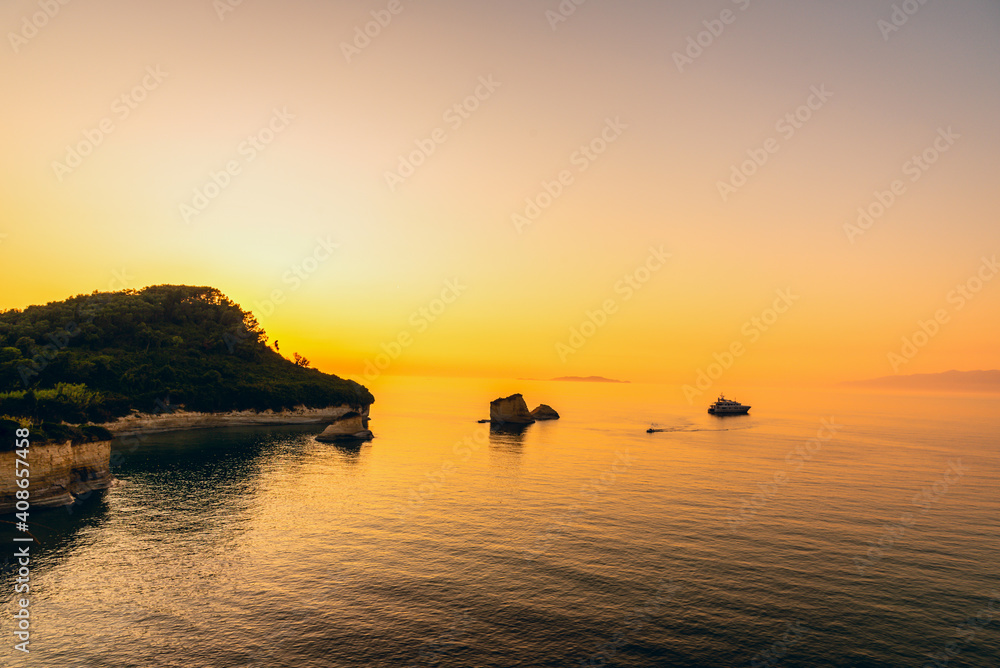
x=545, y=412
x=348, y=427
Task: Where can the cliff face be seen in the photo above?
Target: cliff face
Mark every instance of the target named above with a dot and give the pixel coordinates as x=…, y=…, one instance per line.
x=59, y=473
x=147, y=423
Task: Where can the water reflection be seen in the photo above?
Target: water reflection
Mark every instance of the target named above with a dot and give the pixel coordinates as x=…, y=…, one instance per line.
x=506, y=457
x=55, y=532
x=192, y=486
x=507, y=434
x=350, y=452
x=311, y=565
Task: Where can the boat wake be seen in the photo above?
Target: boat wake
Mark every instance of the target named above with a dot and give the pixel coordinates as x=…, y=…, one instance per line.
x=654, y=429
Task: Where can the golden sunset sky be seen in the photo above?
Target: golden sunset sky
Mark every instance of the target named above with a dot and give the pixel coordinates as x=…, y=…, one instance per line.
x=627, y=124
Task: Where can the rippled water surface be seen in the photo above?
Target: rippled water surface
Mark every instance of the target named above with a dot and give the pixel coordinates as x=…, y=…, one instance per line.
x=870, y=539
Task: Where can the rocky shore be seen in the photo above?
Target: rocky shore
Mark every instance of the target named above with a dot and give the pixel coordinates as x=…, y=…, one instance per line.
x=351, y=427
x=151, y=423
x=60, y=472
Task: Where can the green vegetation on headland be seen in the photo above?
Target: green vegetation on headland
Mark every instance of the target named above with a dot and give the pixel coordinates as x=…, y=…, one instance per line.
x=50, y=432
x=93, y=358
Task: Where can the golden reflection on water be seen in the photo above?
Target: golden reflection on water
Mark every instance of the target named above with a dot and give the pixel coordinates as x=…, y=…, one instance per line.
x=271, y=547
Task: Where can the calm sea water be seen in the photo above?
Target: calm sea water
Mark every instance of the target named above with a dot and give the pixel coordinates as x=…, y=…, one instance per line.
x=825, y=529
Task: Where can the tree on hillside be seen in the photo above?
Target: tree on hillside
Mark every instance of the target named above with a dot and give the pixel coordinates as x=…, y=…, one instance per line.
x=131, y=349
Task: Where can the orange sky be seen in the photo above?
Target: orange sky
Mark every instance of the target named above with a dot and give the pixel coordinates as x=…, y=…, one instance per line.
x=291, y=137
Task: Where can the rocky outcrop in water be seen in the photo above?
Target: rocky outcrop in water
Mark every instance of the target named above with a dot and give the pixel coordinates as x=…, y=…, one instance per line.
x=60, y=472
x=545, y=412
x=510, y=410
x=349, y=427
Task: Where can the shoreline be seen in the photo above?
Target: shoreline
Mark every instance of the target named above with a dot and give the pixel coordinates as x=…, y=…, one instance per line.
x=182, y=420
x=61, y=473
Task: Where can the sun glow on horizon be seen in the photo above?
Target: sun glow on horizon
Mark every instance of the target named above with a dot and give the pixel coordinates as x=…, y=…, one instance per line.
x=504, y=217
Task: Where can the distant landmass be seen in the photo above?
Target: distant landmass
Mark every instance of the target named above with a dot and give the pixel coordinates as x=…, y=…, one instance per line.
x=589, y=379
x=961, y=381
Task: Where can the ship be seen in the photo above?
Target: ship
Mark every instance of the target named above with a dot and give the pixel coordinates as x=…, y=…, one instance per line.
x=724, y=406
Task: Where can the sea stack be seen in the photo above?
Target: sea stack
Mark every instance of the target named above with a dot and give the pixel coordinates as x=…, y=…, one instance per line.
x=545, y=412
x=510, y=410
x=351, y=426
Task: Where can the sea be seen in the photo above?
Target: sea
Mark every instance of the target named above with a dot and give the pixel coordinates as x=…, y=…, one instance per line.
x=829, y=527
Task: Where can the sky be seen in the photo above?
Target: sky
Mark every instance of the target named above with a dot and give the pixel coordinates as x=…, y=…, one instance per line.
x=791, y=191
